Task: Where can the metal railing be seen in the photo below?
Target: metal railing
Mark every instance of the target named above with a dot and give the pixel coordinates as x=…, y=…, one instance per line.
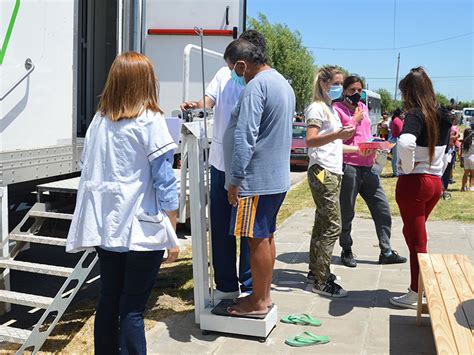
x=29, y=66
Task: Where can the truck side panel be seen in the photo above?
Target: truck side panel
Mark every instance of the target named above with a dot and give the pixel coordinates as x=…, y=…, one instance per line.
x=166, y=51
x=39, y=112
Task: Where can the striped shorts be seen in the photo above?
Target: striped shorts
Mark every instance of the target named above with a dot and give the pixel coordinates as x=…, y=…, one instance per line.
x=255, y=216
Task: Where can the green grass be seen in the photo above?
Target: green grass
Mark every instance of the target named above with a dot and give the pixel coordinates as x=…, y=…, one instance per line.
x=459, y=208
x=296, y=199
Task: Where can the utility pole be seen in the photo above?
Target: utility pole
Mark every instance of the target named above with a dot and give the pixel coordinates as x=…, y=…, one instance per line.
x=396, y=79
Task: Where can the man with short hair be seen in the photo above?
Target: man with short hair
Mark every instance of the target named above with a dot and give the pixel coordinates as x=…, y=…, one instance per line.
x=222, y=94
x=257, y=144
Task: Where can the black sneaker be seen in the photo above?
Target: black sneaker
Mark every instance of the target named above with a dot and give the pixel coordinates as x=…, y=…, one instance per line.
x=310, y=278
x=329, y=289
x=347, y=258
x=394, y=258
x=331, y=277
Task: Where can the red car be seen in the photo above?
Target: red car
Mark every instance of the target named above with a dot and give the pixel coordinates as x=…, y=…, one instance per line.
x=299, y=151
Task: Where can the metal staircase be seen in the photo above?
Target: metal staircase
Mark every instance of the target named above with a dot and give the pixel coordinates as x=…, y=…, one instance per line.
x=25, y=233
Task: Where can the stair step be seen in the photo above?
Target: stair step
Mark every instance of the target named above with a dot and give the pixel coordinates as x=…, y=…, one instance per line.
x=13, y=335
x=39, y=239
x=36, y=268
x=54, y=215
x=25, y=299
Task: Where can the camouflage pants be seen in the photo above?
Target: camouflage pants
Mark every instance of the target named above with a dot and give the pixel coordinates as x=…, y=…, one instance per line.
x=325, y=187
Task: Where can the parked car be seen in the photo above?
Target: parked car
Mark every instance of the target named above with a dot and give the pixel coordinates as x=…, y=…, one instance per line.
x=299, y=151
x=468, y=116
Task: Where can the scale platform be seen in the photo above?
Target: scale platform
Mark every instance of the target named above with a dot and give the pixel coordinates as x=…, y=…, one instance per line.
x=217, y=320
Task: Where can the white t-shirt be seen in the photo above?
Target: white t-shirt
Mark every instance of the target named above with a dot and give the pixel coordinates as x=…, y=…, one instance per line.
x=329, y=156
x=225, y=93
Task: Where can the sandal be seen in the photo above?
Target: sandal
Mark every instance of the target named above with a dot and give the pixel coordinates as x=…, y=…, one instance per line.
x=301, y=319
x=306, y=339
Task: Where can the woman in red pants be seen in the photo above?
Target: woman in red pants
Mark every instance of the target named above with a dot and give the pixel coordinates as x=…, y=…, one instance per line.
x=421, y=162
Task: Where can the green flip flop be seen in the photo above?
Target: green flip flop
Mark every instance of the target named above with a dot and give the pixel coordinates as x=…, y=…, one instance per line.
x=301, y=319
x=307, y=339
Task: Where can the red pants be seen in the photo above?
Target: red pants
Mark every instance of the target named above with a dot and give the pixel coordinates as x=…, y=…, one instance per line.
x=416, y=195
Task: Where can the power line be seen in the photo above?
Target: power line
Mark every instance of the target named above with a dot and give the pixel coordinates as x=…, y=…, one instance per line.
x=393, y=48
x=432, y=77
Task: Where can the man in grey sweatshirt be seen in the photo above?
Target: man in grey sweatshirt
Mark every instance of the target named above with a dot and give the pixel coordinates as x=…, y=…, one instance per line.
x=257, y=145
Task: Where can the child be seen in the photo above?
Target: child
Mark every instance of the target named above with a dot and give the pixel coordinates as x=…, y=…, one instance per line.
x=383, y=126
x=126, y=202
x=467, y=155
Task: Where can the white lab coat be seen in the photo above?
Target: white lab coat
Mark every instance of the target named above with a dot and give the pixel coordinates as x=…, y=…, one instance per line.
x=116, y=203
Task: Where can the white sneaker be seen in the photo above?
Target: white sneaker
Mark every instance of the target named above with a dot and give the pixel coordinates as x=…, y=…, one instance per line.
x=219, y=296
x=408, y=300
x=245, y=294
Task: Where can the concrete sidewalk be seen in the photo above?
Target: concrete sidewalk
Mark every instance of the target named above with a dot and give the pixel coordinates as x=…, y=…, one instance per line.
x=362, y=323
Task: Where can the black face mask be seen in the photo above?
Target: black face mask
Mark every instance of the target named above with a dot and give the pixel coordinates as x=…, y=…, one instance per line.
x=353, y=99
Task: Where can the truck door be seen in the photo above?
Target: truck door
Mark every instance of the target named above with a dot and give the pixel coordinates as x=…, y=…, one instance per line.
x=97, y=48
x=168, y=27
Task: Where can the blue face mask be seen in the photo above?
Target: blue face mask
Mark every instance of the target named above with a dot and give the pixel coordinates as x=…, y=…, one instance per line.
x=240, y=80
x=335, y=92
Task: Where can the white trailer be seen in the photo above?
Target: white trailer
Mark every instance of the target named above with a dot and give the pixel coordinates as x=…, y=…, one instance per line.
x=63, y=51
x=54, y=60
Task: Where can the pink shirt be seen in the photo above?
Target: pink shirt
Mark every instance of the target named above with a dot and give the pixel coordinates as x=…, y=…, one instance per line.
x=362, y=133
x=454, y=133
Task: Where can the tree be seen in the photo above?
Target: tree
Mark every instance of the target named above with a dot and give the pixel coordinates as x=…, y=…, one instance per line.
x=287, y=54
x=442, y=99
x=387, y=102
x=464, y=104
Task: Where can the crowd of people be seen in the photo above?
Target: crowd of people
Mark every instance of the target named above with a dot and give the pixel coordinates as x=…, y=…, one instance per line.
x=127, y=200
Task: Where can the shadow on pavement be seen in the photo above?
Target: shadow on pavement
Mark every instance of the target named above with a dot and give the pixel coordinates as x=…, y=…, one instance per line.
x=303, y=257
x=406, y=337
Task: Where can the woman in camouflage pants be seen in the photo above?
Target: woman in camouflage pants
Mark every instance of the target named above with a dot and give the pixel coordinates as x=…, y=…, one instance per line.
x=324, y=139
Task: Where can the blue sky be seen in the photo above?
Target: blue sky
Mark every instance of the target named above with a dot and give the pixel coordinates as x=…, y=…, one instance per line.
x=370, y=24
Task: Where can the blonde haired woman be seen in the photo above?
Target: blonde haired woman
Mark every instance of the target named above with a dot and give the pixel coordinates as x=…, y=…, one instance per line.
x=126, y=201
x=324, y=140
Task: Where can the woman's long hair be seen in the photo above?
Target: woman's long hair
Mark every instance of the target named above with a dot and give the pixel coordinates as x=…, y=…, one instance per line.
x=418, y=93
x=467, y=140
x=131, y=88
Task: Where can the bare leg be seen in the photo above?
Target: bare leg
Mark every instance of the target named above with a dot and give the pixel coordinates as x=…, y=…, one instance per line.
x=262, y=260
x=269, y=298
x=273, y=251
x=464, y=180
